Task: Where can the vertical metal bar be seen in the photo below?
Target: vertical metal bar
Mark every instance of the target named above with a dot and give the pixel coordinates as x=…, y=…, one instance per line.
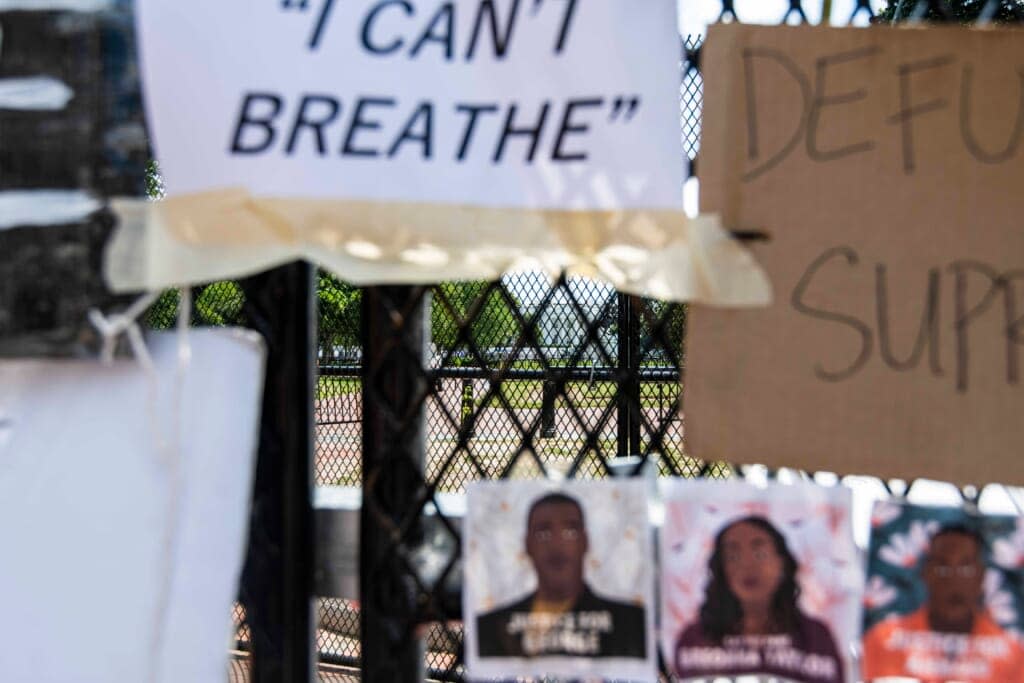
x=277, y=582
x=394, y=355
x=466, y=405
x=547, y=409
x=629, y=372
x=634, y=376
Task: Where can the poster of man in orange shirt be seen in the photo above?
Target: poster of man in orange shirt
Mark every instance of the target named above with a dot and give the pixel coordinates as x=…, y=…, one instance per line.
x=943, y=601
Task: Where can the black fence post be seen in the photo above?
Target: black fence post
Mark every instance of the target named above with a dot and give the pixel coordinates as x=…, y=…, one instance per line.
x=466, y=405
x=629, y=374
x=547, y=409
x=394, y=382
x=277, y=582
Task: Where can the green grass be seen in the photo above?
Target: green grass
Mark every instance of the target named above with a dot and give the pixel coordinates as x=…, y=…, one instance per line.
x=329, y=387
x=528, y=394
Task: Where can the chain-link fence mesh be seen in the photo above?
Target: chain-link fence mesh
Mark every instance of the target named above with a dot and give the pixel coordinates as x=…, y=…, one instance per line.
x=507, y=358
x=567, y=374
x=524, y=378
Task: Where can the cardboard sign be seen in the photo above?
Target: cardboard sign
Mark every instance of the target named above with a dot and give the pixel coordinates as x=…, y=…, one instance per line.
x=539, y=105
x=944, y=600
x=727, y=548
x=885, y=166
x=124, y=504
x=559, y=580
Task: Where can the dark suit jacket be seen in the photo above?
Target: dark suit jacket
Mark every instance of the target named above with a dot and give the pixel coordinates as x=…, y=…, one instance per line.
x=627, y=636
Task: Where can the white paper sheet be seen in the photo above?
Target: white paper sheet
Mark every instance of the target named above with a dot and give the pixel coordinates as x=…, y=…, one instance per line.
x=109, y=572
x=226, y=83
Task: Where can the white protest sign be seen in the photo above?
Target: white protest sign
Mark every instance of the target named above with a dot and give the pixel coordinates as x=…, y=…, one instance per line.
x=124, y=500
x=557, y=104
x=419, y=140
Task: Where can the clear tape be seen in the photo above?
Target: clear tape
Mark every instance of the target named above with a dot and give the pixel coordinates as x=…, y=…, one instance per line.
x=214, y=236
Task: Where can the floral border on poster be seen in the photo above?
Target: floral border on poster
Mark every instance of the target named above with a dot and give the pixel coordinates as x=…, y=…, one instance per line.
x=900, y=534
x=816, y=523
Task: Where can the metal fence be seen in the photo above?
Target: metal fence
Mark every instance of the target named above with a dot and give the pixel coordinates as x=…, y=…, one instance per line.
x=512, y=359
x=526, y=378
x=521, y=378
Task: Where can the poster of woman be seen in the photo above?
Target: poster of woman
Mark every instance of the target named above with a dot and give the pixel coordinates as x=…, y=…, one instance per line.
x=559, y=580
x=943, y=600
x=759, y=580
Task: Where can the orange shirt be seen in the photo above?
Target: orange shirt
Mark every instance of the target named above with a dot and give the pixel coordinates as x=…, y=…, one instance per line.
x=906, y=646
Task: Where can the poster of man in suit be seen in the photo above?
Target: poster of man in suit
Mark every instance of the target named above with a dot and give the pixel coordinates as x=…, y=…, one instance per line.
x=559, y=580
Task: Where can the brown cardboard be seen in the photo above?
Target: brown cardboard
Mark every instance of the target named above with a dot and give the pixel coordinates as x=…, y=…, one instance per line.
x=890, y=155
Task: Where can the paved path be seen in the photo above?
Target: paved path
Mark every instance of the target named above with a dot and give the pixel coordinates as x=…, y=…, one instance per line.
x=339, y=436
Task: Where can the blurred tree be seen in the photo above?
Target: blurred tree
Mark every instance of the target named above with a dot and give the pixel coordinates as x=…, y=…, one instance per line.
x=154, y=181
x=494, y=325
x=339, y=312
x=218, y=304
x=162, y=314
x=964, y=11
x=663, y=326
x=213, y=305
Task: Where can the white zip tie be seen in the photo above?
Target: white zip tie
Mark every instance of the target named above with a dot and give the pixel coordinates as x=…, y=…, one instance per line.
x=110, y=328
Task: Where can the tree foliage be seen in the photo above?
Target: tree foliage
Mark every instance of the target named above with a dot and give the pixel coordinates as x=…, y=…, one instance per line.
x=213, y=305
x=219, y=304
x=963, y=11
x=164, y=312
x=493, y=325
x=665, y=323
x=339, y=307
x=154, y=181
